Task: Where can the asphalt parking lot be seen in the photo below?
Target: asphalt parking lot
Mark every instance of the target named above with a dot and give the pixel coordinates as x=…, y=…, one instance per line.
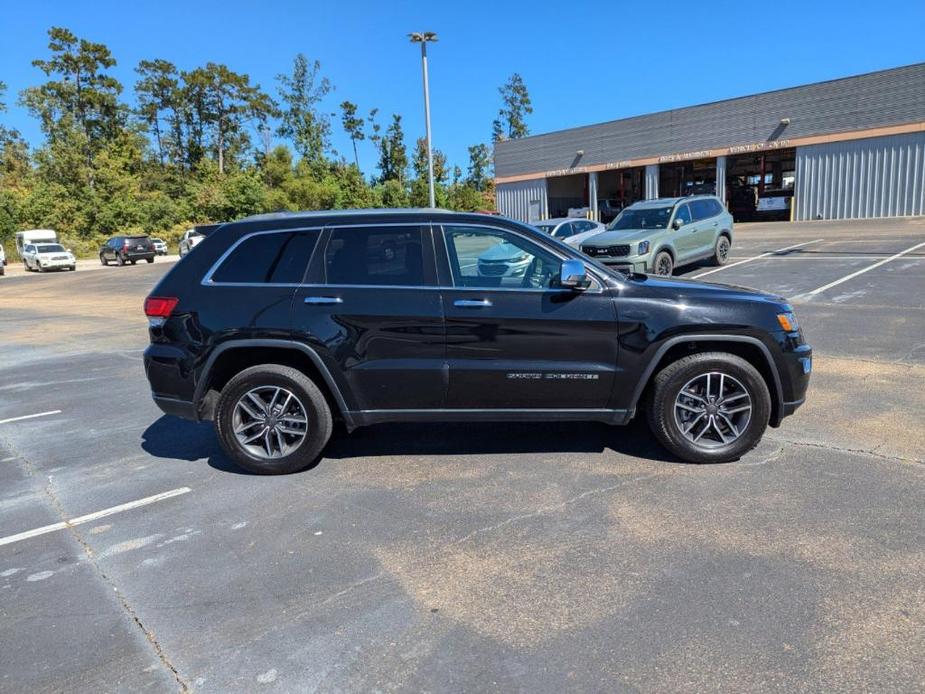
x=566, y=557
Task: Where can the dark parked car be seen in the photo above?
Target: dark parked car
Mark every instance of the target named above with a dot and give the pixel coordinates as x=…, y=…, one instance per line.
x=281, y=323
x=127, y=249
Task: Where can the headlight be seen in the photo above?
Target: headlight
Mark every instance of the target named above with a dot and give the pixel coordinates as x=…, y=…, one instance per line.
x=788, y=321
x=643, y=247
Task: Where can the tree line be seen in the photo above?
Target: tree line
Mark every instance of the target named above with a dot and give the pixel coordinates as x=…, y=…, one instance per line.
x=208, y=144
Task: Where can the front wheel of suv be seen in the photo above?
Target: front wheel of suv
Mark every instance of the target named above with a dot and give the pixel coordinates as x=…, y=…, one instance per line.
x=272, y=419
x=710, y=407
x=721, y=250
x=663, y=264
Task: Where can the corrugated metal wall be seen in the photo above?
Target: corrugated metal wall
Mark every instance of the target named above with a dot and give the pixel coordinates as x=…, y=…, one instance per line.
x=524, y=200
x=875, y=177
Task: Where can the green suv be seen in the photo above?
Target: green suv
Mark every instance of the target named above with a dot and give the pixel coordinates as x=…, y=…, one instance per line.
x=655, y=236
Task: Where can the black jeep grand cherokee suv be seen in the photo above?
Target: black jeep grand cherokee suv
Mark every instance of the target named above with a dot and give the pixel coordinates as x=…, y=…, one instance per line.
x=277, y=324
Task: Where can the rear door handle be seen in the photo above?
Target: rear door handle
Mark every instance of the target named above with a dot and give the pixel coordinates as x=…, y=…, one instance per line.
x=472, y=303
x=318, y=300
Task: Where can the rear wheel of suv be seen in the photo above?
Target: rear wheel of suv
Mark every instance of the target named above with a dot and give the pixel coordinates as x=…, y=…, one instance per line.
x=272, y=419
x=711, y=407
x=721, y=250
x=150, y=260
x=663, y=263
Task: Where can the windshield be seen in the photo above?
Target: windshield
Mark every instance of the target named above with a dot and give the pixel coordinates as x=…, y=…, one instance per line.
x=50, y=248
x=647, y=218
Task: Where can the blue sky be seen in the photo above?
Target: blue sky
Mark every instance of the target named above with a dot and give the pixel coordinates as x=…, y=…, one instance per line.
x=583, y=62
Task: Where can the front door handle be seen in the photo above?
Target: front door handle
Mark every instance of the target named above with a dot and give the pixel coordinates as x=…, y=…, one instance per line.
x=472, y=303
x=319, y=300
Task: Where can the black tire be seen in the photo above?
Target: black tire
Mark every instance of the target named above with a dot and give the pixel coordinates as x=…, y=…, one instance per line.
x=2, y=270
x=119, y=259
x=103, y=260
x=25, y=266
x=318, y=414
x=660, y=408
x=39, y=267
x=133, y=262
x=72, y=268
x=150, y=260
x=663, y=264
x=721, y=250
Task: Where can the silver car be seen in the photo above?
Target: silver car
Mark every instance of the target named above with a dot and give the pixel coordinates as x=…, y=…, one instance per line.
x=571, y=231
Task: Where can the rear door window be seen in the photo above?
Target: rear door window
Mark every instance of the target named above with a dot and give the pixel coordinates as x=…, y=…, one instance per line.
x=375, y=256
x=702, y=209
x=274, y=258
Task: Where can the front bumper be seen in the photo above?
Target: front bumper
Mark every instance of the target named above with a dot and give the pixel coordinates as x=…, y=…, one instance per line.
x=795, y=366
x=55, y=264
x=638, y=263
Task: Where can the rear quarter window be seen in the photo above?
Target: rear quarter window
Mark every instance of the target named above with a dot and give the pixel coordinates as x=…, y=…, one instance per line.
x=274, y=258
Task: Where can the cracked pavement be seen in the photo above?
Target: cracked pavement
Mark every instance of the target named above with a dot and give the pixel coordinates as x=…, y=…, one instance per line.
x=506, y=557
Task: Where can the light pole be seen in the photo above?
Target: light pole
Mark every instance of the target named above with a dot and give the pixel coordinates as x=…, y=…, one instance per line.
x=422, y=37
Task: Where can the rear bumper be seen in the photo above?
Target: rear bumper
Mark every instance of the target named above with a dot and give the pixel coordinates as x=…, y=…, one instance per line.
x=169, y=372
x=178, y=408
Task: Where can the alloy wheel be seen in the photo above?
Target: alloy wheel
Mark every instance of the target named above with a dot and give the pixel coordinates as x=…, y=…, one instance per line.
x=722, y=249
x=269, y=422
x=713, y=409
x=664, y=266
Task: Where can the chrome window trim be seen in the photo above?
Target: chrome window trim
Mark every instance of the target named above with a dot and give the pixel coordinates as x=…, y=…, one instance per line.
x=561, y=256
x=207, y=280
x=437, y=288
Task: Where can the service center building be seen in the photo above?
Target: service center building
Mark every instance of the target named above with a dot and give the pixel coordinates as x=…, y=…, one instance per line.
x=844, y=149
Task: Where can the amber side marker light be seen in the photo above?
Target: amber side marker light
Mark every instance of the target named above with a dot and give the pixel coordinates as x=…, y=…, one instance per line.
x=787, y=321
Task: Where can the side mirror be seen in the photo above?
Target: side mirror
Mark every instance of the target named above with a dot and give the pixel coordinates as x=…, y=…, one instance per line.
x=573, y=275
x=677, y=224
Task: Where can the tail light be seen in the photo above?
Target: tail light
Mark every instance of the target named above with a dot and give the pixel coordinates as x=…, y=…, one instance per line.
x=159, y=308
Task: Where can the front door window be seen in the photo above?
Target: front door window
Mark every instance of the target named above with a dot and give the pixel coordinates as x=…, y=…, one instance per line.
x=485, y=258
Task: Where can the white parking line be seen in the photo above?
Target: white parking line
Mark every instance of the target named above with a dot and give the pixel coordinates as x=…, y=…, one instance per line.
x=10, y=539
x=755, y=257
x=29, y=416
x=824, y=287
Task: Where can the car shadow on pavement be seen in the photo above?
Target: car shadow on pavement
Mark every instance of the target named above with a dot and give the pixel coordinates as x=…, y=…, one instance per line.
x=483, y=438
x=179, y=439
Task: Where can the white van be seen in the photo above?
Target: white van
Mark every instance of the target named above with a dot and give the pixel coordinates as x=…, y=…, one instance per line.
x=34, y=236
